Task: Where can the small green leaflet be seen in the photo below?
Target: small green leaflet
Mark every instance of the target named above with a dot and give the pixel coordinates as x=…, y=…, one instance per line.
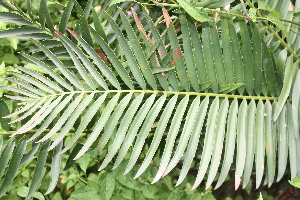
x=260, y=197
x=275, y=20
x=84, y=162
x=230, y=87
x=295, y=182
x=13, y=32
x=252, y=13
x=156, y=70
x=4, y=111
x=197, y=14
x=13, y=18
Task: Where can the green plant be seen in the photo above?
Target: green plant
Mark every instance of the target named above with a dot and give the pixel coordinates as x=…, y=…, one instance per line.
x=145, y=91
x=296, y=181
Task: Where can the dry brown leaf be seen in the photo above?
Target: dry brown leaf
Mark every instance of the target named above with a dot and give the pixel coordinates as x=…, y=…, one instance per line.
x=140, y=26
x=101, y=53
x=166, y=16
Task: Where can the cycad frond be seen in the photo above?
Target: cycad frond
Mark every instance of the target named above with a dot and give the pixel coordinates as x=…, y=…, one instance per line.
x=213, y=93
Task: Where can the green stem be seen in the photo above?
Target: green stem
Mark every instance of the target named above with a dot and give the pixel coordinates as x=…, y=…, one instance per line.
x=45, y=131
x=245, y=17
x=219, y=11
x=166, y=93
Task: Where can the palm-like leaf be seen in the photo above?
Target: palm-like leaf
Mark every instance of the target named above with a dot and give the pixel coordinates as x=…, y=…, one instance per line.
x=212, y=93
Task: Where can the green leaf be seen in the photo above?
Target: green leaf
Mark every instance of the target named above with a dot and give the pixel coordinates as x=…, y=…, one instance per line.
x=13, y=42
x=230, y=87
x=197, y=14
x=13, y=18
x=7, y=5
x=13, y=32
x=13, y=166
x=241, y=143
x=91, y=112
x=208, y=56
x=88, y=8
x=4, y=111
x=84, y=192
x=44, y=12
x=247, y=57
x=282, y=147
x=99, y=126
x=113, y=59
x=209, y=196
x=85, y=31
x=59, y=65
x=230, y=142
x=259, y=143
x=178, y=57
x=37, y=176
x=86, y=62
x=185, y=135
x=84, y=161
x=133, y=65
x=70, y=161
x=250, y=134
x=107, y=185
x=198, y=55
x=29, y=155
x=55, y=167
x=138, y=52
x=158, y=134
x=2, y=68
x=156, y=70
x=188, y=53
x=264, y=6
x=275, y=19
x=173, y=131
x=260, y=197
x=59, y=105
x=6, y=153
x=290, y=72
x=134, y=126
x=269, y=143
x=98, y=61
x=292, y=143
x=236, y=56
x=71, y=120
x=149, y=190
x=98, y=26
x=113, y=121
x=252, y=14
x=218, y=146
x=65, y=16
x=55, y=76
x=208, y=142
x=66, y=115
x=295, y=182
x=143, y=133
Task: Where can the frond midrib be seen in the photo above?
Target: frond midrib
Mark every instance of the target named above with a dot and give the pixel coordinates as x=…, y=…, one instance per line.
x=231, y=96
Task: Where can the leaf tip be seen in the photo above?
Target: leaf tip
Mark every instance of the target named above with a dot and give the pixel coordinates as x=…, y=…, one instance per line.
x=72, y=32
x=59, y=34
x=237, y=181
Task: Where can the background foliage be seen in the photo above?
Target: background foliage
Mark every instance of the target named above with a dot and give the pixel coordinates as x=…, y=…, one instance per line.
x=277, y=31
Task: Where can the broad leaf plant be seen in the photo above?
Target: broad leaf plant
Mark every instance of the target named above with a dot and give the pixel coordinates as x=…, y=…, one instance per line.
x=213, y=85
